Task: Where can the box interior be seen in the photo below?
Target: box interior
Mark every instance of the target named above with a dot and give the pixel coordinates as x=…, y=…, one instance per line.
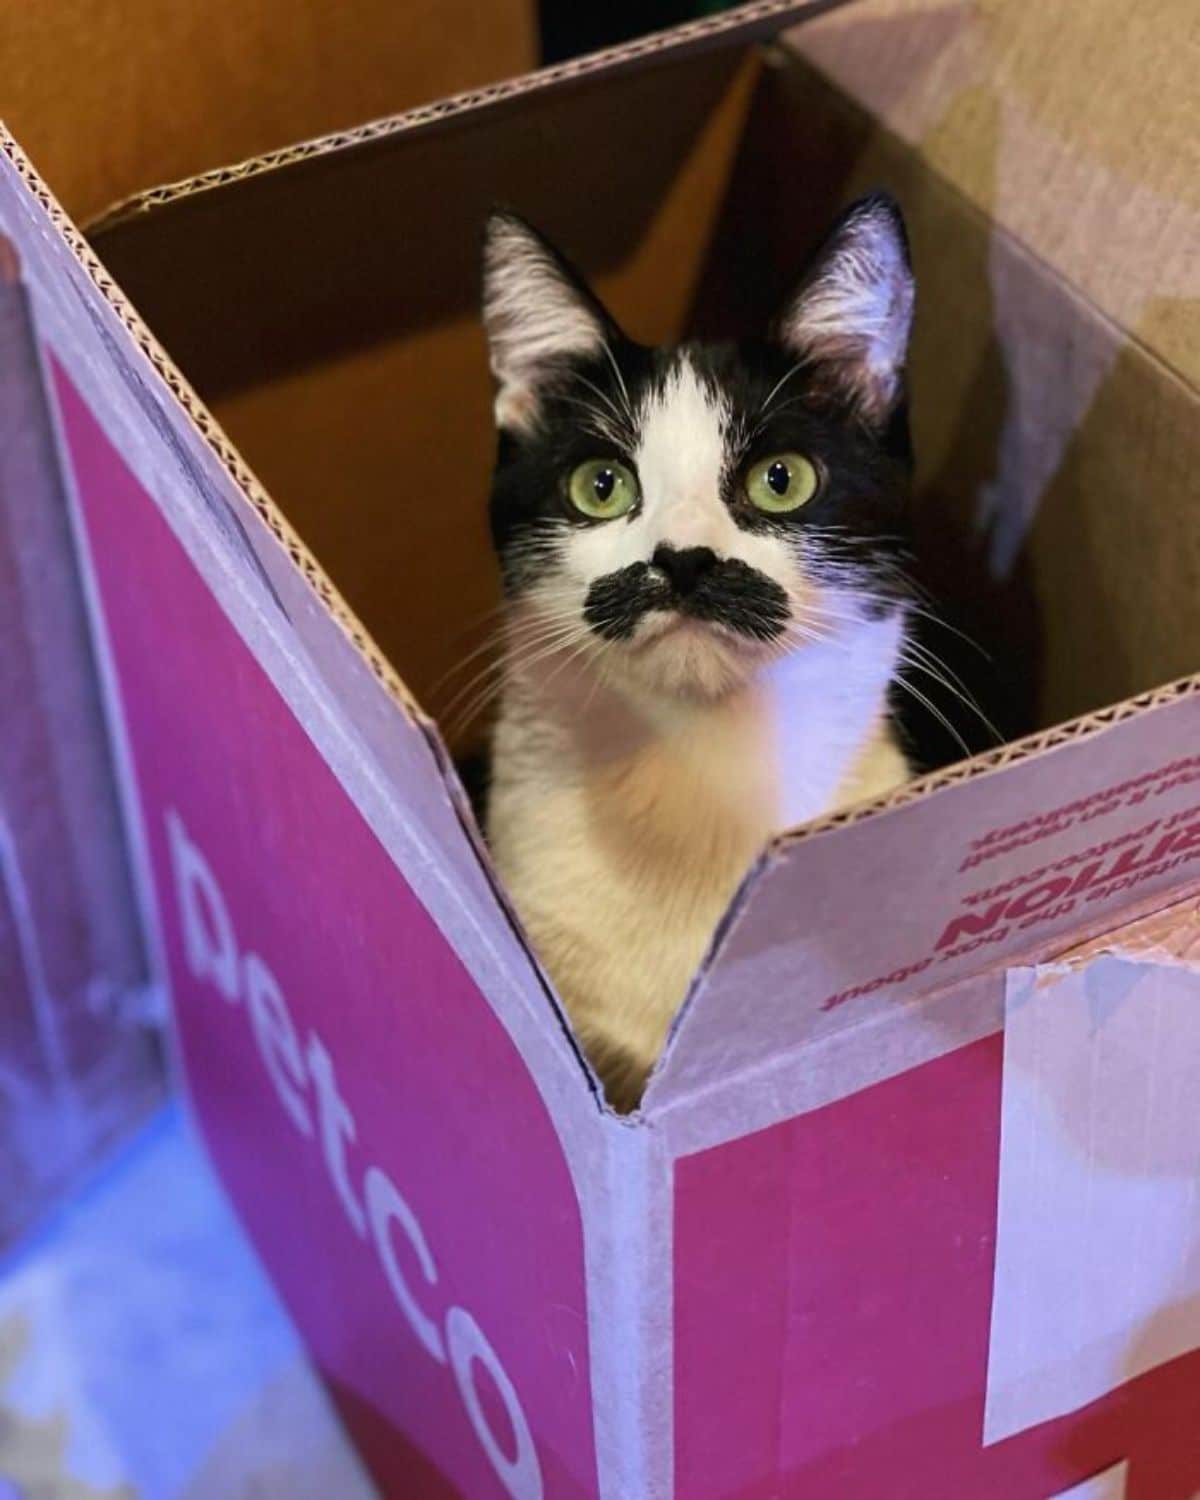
x=327, y=310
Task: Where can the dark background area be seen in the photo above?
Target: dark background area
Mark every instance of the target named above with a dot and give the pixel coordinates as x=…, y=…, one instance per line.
x=569, y=28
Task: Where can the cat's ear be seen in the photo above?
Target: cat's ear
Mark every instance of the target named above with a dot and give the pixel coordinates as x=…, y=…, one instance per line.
x=536, y=313
x=852, y=314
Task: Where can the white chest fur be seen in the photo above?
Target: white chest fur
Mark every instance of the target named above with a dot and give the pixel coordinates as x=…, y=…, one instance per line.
x=623, y=828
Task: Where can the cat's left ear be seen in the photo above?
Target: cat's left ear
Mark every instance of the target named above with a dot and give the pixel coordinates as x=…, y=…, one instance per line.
x=536, y=313
x=852, y=313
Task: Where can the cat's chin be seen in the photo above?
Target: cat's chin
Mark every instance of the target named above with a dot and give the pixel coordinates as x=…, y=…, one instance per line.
x=689, y=659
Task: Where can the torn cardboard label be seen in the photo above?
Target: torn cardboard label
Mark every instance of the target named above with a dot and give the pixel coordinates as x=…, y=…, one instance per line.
x=1171, y=937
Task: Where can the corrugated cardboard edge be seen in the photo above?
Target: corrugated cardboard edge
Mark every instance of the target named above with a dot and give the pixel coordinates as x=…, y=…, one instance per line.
x=1025, y=748
x=744, y=23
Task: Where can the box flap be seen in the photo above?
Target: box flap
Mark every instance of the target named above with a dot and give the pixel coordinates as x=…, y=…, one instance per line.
x=322, y=661
x=742, y=23
x=986, y=864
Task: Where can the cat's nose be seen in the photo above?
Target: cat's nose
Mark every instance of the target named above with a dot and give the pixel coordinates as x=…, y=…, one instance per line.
x=684, y=566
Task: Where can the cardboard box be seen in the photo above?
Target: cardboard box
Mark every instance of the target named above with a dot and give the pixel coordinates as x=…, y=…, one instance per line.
x=910, y=1207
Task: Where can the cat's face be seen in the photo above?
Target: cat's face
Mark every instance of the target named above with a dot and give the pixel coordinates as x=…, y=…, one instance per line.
x=683, y=517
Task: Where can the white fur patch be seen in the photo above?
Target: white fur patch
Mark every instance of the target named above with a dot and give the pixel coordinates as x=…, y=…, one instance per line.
x=623, y=827
x=856, y=311
x=680, y=457
x=533, y=315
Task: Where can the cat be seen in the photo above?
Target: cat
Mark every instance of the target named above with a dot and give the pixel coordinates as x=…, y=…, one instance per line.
x=704, y=611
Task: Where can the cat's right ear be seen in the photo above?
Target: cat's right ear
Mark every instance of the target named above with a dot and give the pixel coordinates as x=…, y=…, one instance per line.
x=536, y=313
x=852, y=314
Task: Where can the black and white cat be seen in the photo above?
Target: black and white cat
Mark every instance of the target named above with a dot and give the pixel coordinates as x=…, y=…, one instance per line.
x=704, y=614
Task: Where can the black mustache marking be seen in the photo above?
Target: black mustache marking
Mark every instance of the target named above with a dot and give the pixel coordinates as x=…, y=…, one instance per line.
x=617, y=601
x=730, y=593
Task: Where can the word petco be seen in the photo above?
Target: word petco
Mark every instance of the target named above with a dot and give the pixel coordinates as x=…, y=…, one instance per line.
x=304, y=1080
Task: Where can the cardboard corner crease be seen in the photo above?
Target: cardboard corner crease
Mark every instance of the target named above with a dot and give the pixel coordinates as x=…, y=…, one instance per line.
x=509, y=1290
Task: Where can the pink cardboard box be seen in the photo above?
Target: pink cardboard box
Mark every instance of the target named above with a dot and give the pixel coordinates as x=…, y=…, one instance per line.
x=910, y=1206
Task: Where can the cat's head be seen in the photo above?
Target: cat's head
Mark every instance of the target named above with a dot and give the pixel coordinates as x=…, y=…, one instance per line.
x=687, y=515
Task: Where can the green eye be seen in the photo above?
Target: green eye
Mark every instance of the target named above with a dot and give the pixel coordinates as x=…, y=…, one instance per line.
x=603, y=489
x=783, y=482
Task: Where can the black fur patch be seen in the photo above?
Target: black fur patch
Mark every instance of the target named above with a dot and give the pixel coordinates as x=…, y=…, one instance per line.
x=729, y=593
x=741, y=598
x=616, y=602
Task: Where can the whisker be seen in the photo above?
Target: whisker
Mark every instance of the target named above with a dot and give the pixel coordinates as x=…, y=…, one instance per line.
x=776, y=388
x=959, y=693
x=808, y=630
x=492, y=675
x=609, y=430
x=909, y=584
x=575, y=645
x=931, y=656
x=599, y=675
x=603, y=395
x=550, y=638
x=472, y=711
x=574, y=654
x=493, y=643
x=935, y=619
x=510, y=631
x=935, y=711
x=624, y=388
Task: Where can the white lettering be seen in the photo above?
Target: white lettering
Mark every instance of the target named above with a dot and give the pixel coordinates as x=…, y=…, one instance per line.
x=337, y=1127
x=212, y=955
x=385, y=1206
x=207, y=931
x=520, y=1475
x=278, y=1045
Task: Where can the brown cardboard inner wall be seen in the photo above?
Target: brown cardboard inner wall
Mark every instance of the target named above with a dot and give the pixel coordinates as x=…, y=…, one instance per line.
x=108, y=99
x=1087, y=149
x=328, y=312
